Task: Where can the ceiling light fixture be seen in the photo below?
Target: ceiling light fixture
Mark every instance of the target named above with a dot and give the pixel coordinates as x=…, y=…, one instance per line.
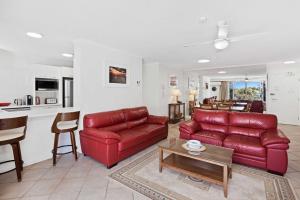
x=222, y=72
x=68, y=55
x=203, y=61
x=34, y=35
x=221, y=44
x=289, y=62
x=203, y=20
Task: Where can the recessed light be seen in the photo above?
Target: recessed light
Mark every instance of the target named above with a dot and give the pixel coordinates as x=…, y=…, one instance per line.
x=203, y=20
x=68, y=55
x=203, y=61
x=222, y=72
x=289, y=62
x=34, y=35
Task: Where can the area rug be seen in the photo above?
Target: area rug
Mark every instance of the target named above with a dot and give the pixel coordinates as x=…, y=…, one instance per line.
x=142, y=175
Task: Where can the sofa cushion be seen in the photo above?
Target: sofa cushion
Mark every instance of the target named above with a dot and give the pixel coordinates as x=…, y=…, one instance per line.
x=104, y=119
x=209, y=137
x=135, y=113
x=138, y=122
x=251, y=124
x=115, y=128
x=212, y=120
x=136, y=116
x=134, y=136
x=245, y=145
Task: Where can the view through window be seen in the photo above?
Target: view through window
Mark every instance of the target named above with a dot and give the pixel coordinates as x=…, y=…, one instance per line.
x=247, y=90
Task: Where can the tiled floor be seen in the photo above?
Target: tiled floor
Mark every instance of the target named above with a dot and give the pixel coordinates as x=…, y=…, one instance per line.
x=87, y=179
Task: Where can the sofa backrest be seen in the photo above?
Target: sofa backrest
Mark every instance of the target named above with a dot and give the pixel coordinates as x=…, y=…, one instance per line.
x=110, y=121
x=116, y=120
x=212, y=120
x=251, y=124
x=136, y=116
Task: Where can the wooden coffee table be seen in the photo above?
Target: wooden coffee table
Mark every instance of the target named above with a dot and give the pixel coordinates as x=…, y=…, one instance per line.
x=212, y=165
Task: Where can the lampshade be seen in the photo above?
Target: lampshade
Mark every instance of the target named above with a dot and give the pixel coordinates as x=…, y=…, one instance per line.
x=175, y=92
x=191, y=97
x=193, y=92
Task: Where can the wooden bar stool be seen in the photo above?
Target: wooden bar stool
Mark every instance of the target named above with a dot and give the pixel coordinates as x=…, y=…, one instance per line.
x=12, y=131
x=65, y=123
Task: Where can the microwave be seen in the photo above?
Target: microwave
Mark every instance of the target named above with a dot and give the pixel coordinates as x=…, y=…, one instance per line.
x=46, y=84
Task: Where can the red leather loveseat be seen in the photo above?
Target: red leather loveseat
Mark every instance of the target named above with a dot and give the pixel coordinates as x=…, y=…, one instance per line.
x=115, y=135
x=253, y=136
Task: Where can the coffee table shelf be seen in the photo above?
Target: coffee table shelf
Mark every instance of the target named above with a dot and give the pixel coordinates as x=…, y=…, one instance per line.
x=212, y=165
x=194, y=168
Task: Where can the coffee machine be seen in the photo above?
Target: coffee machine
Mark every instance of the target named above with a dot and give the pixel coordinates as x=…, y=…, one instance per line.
x=28, y=100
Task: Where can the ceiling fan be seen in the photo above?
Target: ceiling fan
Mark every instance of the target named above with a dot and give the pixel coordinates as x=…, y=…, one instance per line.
x=223, y=41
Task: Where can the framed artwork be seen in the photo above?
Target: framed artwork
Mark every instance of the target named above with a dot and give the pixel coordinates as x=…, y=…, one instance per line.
x=173, y=82
x=116, y=75
x=191, y=83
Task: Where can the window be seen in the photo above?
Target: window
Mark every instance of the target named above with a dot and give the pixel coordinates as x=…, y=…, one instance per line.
x=247, y=90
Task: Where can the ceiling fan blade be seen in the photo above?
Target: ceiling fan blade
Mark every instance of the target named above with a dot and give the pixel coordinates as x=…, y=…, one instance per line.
x=247, y=37
x=198, y=44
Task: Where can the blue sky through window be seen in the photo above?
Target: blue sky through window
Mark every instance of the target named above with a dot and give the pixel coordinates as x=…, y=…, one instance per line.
x=242, y=84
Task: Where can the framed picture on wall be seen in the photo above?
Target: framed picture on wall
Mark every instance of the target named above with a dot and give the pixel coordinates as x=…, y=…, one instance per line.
x=173, y=82
x=116, y=75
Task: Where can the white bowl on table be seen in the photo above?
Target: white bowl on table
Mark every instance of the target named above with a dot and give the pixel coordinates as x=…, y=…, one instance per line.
x=194, y=144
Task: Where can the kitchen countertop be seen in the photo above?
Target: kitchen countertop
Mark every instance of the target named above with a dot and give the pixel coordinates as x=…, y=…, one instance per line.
x=34, y=113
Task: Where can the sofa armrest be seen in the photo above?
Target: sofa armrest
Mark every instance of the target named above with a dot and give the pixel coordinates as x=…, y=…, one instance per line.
x=273, y=138
x=157, y=120
x=189, y=127
x=102, y=134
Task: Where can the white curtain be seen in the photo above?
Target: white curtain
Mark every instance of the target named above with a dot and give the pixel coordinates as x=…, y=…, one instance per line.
x=224, y=90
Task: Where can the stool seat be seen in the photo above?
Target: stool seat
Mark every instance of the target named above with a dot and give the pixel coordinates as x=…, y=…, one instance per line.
x=12, y=131
x=11, y=134
x=66, y=125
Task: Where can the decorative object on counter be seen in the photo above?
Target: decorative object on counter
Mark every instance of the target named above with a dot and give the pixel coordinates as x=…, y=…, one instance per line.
x=50, y=100
x=2, y=104
x=175, y=114
x=65, y=123
x=175, y=93
x=12, y=131
x=37, y=100
x=18, y=102
x=28, y=100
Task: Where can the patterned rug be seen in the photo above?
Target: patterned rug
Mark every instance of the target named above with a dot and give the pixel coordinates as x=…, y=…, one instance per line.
x=142, y=175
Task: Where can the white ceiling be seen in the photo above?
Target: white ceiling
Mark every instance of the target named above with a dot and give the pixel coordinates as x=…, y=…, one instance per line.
x=155, y=30
x=254, y=72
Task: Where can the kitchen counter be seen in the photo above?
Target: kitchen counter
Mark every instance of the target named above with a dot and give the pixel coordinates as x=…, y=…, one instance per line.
x=38, y=142
x=34, y=111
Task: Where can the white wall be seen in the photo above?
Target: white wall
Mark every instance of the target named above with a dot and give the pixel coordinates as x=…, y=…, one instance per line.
x=217, y=92
x=203, y=91
x=91, y=94
x=283, y=92
x=152, y=87
x=17, y=76
x=156, y=89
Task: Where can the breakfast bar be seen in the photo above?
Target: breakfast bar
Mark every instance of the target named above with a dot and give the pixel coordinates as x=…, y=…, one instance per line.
x=38, y=142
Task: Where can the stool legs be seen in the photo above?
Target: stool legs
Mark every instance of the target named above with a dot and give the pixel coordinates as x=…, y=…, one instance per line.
x=73, y=141
x=17, y=153
x=20, y=156
x=55, y=148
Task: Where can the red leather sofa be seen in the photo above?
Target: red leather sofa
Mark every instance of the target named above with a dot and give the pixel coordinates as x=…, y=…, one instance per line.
x=115, y=135
x=254, y=137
